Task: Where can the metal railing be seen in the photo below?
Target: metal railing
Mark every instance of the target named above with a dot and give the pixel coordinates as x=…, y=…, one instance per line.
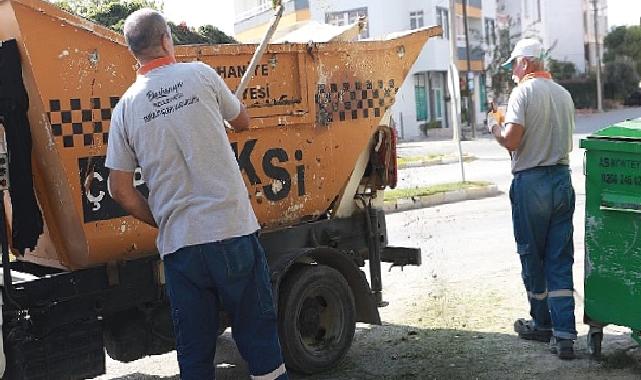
x=476, y=38
x=472, y=3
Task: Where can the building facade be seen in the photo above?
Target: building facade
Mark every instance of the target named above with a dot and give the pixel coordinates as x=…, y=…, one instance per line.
x=422, y=101
x=566, y=28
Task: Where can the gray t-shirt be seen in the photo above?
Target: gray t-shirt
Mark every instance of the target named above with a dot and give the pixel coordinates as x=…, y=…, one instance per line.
x=170, y=123
x=546, y=112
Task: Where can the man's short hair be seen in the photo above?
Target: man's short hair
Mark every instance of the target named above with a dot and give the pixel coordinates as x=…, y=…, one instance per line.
x=537, y=62
x=144, y=30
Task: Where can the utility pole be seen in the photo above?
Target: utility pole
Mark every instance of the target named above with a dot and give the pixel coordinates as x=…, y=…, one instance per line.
x=471, y=110
x=455, y=93
x=599, y=87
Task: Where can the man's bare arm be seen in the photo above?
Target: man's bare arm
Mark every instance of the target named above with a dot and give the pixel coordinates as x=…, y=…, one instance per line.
x=241, y=122
x=511, y=137
x=122, y=190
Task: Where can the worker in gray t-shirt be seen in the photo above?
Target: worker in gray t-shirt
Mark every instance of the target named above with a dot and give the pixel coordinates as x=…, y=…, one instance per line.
x=170, y=123
x=538, y=128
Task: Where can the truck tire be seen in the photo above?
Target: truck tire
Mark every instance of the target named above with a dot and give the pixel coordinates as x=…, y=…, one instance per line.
x=316, y=318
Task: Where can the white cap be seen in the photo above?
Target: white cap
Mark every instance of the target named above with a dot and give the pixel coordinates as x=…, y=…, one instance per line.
x=527, y=47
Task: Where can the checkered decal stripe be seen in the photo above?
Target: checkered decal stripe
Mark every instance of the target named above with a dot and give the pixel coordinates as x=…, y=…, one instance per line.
x=81, y=122
x=350, y=101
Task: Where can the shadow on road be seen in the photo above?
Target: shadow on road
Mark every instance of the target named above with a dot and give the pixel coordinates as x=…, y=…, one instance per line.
x=406, y=352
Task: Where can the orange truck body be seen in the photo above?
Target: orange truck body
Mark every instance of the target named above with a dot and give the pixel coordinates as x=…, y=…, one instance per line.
x=314, y=108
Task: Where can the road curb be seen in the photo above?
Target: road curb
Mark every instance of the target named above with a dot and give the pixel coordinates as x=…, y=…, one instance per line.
x=441, y=161
x=476, y=192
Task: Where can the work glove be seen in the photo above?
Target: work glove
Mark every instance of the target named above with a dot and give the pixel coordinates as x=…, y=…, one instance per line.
x=492, y=122
x=495, y=117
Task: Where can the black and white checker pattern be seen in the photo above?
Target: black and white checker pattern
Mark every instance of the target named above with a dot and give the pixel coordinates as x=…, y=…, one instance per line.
x=81, y=122
x=350, y=101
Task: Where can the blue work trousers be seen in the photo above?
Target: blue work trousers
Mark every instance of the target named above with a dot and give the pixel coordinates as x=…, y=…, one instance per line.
x=542, y=208
x=233, y=273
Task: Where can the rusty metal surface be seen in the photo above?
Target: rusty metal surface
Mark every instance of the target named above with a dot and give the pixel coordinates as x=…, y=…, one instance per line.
x=314, y=109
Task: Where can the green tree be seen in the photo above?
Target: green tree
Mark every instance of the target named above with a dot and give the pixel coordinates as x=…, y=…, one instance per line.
x=215, y=35
x=621, y=78
x=501, y=78
x=80, y=7
x=112, y=14
x=183, y=35
x=561, y=70
x=624, y=41
x=613, y=42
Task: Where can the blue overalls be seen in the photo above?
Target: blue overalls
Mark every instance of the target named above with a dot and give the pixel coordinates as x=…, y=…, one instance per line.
x=542, y=208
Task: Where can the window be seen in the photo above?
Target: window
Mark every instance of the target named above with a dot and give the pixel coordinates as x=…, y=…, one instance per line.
x=490, y=32
x=438, y=98
x=420, y=96
x=416, y=20
x=538, y=10
x=348, y=17
x=335, y=18
x=442, y=19
x=436, y=83
x=483, y=92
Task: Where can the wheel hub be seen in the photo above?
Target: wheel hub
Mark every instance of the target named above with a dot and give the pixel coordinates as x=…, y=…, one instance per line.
x=310, y=317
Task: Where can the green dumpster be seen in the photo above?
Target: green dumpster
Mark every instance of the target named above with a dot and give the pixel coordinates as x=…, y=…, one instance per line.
x=613, y=230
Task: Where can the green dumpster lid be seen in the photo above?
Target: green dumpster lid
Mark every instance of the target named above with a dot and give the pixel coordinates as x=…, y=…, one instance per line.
x=629, y=129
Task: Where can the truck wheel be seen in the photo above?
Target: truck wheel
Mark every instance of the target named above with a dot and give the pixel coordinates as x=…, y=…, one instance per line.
x=316, y=318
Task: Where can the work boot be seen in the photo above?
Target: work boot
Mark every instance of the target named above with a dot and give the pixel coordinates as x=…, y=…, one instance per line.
x=564, y=348
x=528, y=331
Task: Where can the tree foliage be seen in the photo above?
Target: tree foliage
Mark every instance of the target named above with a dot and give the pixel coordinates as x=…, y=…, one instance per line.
x=112, y=14
x=211, y=33
x=206, y=34
x=624, y=41
x=622, y=61
x=502, y=78
x=621, y=78
x=562, y=70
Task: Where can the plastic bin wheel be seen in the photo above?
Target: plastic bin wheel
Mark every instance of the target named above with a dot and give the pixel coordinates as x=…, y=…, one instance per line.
x=595, y=338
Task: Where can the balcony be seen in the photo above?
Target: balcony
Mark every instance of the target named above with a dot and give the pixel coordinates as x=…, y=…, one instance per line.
x=475, y=36
x=477, y=53
x=472, y=3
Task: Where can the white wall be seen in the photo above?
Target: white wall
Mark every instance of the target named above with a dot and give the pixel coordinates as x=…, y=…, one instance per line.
x=489, y=8
x=405, y=109
x=382, y=17
x=589, y=28
x=244, y=5
x=561, y=26
x=564, y=27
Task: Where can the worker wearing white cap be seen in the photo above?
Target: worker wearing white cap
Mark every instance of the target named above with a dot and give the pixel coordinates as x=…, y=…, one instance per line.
x=537, y=132
x=527, y=47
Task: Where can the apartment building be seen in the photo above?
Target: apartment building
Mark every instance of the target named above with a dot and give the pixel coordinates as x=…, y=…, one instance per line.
x=565, y=27
x=422, y=101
